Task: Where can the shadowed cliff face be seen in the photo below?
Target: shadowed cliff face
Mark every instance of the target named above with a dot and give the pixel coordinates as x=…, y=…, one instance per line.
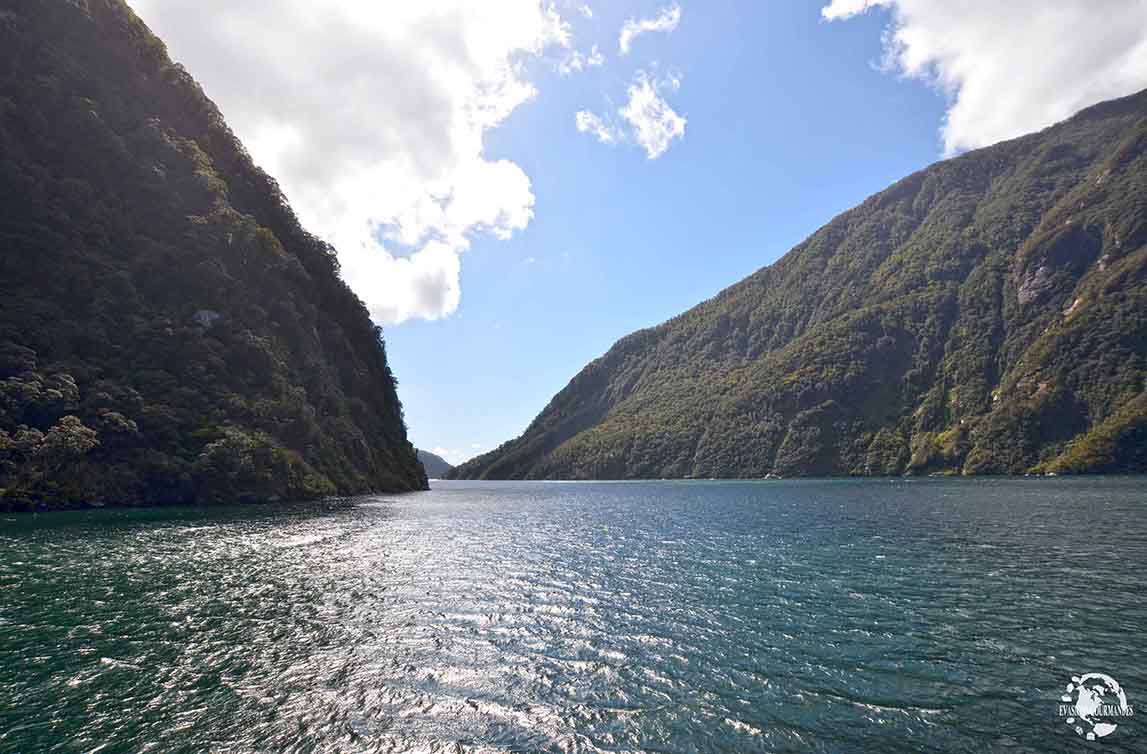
x=436, y=466
x=985, y=315
x=168, y=331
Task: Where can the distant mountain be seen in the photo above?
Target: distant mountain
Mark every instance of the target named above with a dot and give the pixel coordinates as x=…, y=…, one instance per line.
x=986, y=315
x=436, y=467
x=168, y=331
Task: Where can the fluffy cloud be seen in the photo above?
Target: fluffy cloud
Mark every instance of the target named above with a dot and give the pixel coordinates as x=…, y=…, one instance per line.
x=1014, y=66
x=371, y=115
x=666, y=20
x=655, y=124
x=652, y=123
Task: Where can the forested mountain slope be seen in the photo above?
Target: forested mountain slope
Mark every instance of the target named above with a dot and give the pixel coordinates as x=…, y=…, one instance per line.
x=436, y=466
x=168, y=331
x=986, y=315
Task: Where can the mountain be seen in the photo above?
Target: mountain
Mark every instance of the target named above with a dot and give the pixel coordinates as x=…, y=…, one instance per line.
x=168, y=331
x=436, y=467
x=986, y=315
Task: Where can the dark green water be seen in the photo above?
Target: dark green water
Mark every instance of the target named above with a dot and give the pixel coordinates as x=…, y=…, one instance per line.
x=824, y=616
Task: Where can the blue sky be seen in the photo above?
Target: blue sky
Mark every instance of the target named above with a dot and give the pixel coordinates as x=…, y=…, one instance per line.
x=513, y=185
x=789, y=122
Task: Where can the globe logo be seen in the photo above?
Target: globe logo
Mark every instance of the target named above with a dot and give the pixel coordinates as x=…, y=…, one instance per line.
x=1093, y=705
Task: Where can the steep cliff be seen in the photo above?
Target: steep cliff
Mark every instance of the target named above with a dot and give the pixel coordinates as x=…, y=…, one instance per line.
x=168, y=331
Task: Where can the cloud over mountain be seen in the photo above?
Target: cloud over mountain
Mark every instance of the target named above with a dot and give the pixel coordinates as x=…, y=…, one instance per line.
x=1016, y=66
x=374, y=123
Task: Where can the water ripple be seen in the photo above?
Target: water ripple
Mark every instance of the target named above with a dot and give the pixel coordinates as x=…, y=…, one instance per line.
x=834, y=616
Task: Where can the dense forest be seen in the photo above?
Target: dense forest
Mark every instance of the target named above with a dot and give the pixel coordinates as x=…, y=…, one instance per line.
x=168, y=331
x=987, y=315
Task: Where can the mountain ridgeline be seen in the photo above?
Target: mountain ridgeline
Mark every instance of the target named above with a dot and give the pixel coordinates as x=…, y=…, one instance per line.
x=987, y=315
x=436, y=466
x=168, y=331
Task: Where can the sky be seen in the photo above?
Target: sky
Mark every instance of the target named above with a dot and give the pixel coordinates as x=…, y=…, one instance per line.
x=513, y=185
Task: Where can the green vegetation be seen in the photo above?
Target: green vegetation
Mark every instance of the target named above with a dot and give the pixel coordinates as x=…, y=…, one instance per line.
x=168, y=331
x=1116, y=444
x=986, y=315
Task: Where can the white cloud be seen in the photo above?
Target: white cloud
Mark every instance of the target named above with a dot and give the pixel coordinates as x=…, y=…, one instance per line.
x=577, y=61
x=588, y=123
x=666, y=20
x=652, y=123
x=372, y=114
x=655, y=124
x=837, y=9
x=1013, y=66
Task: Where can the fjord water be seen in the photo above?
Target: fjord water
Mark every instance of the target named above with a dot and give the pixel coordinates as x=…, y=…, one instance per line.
x=825, y=616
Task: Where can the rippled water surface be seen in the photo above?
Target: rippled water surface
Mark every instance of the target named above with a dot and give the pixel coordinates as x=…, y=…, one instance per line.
x=824, y=616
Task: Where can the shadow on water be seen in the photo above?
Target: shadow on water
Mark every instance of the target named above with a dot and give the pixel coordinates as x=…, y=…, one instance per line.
x=111, y=517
